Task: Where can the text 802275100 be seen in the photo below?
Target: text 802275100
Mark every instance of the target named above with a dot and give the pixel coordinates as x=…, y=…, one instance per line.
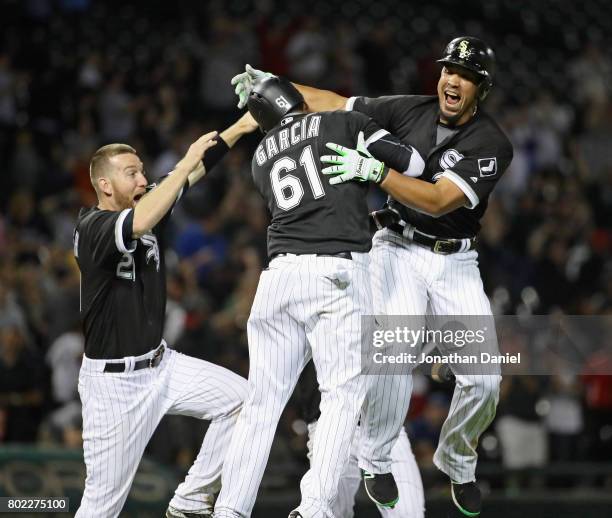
x=36, y=504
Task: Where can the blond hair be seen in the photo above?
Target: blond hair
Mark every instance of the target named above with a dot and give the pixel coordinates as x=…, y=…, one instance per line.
x=100, y=160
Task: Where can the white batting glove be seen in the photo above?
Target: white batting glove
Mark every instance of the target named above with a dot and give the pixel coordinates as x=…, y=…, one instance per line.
x=353, y=164
x=244, y=83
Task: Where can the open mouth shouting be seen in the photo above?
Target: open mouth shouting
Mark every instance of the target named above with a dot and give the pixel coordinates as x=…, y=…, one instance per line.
x=457, y=95
x=451, y=98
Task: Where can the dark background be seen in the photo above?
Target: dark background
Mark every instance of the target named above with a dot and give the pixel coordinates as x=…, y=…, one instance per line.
x=77, y=74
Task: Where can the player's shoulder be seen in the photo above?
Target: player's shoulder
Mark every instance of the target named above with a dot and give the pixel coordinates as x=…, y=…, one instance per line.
x=90, y=216
x=313, y=124
x=417, y=100
x=330, y=114
x=86, y=216
x=405, y=101
x=342, y=115
x=494, y=134
x=338, y=125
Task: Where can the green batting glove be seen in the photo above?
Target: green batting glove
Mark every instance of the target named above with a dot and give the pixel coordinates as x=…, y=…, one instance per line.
x=353, y=164
x=244, y=83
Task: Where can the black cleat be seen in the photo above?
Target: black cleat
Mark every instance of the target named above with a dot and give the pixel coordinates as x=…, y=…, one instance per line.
x=381, y=488
x=295, y=514
x=466, y=498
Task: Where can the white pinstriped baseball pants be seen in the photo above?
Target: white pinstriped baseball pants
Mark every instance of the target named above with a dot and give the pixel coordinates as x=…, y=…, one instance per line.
x=407, y=278
x=305, y=305
x=411, y=502
x=122, y=410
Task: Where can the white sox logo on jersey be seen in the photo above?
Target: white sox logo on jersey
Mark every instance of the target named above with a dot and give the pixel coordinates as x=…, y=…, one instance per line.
x=150, y=241
x=448, y=159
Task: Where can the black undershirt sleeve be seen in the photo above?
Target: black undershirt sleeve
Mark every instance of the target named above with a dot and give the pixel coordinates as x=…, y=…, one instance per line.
x=383, y=145
x=215, y=154
x=392, y=152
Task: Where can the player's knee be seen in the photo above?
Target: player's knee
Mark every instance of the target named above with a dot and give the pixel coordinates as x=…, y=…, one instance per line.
x=489, y=387
x=233, y=390
x=242, y=393
x=238, y=394
x=485, y=386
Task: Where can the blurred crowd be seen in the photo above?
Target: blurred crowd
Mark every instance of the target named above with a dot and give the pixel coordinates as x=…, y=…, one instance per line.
x=77, y=74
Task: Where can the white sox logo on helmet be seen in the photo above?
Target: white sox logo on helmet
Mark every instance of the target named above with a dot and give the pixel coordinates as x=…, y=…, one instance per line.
x=464, y=49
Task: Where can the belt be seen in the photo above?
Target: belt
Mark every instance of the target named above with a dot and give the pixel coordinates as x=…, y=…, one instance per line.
x=150, y=363
x=435, y=244
x=341, y=255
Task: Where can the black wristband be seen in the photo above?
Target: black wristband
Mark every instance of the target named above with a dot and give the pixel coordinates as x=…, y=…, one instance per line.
x=383, y=175
x=214, y=154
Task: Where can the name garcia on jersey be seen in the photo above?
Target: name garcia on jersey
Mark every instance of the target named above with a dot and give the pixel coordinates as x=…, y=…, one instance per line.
x=306, y=128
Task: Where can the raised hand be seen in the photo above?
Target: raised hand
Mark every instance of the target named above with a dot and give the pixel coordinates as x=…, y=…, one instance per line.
x=196, y=151
x=244, y=83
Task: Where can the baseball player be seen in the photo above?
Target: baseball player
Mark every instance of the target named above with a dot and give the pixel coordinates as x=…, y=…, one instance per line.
x=130, y=377
x=424, y=256
x=309, y=300
x=411, y=503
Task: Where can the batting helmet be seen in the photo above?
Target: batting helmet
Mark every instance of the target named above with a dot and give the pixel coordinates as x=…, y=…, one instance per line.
x=475, y=55
x=271, y=99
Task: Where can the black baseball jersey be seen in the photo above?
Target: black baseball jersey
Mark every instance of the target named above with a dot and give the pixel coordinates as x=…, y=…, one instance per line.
x=474, y=157
x=308, y=215
x=123, y=284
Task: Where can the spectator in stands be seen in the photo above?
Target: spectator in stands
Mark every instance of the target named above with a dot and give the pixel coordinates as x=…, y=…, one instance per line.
x=307, y=51
x=597, y=377
x=564, y=420
x=520, y=429
x=424, y=430
x=64, y=357
x=11, y=313
x=22, y=386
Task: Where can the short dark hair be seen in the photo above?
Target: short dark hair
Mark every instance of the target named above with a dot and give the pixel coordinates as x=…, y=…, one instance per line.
x=100, y=160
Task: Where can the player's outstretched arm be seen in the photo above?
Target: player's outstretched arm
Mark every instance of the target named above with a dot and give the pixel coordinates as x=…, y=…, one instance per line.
x=153, y=206
x=245, y=124
x=316, y=100
x=359, y=165
x=225, y=141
